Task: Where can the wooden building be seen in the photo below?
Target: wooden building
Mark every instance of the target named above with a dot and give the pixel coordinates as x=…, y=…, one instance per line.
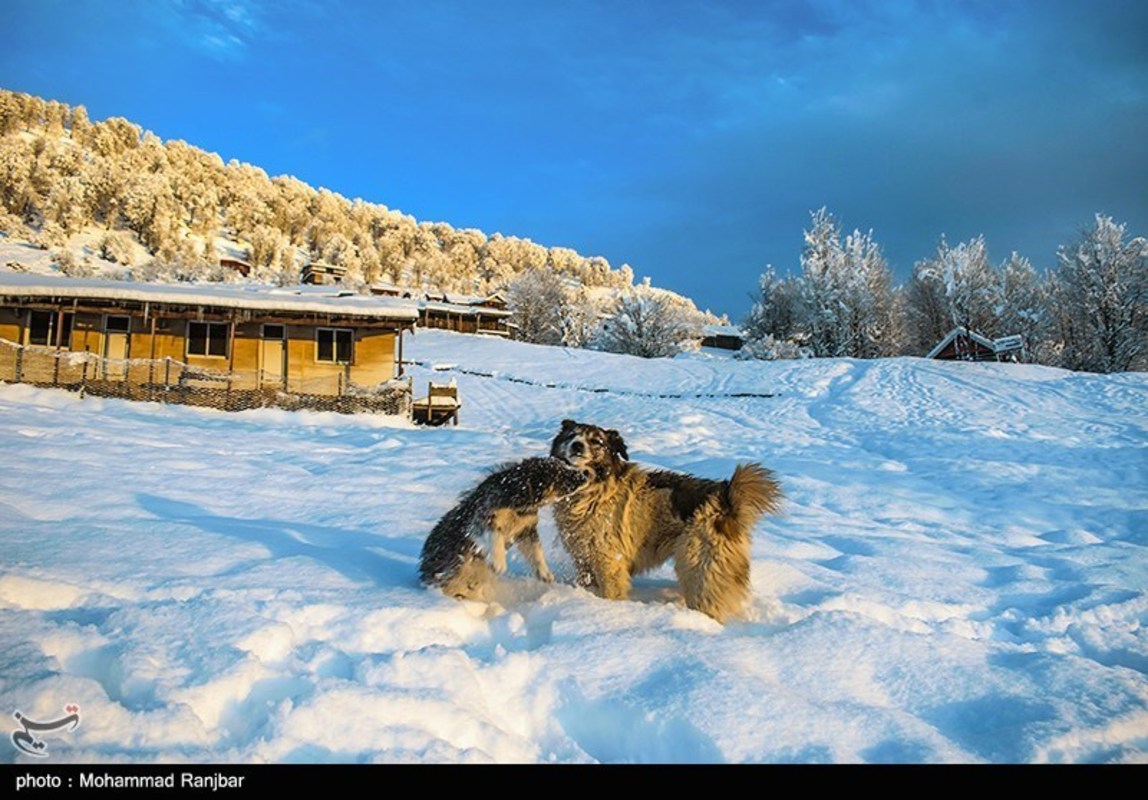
x=265, y=340
x=454, y=312
x=962, y=344
x=722, y=337
x=237, y=264
x=465, y=314
x=319, y=273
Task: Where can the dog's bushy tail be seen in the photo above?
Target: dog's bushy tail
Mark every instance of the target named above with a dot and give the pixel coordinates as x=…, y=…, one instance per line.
x=751, y=492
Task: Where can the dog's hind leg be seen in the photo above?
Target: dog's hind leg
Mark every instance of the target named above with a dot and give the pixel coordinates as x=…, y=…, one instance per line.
x=713, y=571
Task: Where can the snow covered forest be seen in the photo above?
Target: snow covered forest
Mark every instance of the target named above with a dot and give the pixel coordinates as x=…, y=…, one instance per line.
x=165, y=205
x=1088, y=313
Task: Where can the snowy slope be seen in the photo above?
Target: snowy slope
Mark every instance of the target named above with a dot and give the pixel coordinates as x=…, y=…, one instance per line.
x=959, y=576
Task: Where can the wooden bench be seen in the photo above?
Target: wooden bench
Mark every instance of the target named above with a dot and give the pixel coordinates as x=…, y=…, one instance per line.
x=440, y=404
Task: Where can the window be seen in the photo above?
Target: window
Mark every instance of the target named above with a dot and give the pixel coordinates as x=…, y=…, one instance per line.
x=117, y=324
x=50, y=328
x=334, y=345
x=273, y=331
x=208, y=338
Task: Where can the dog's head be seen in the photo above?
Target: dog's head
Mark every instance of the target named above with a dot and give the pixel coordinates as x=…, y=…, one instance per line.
x=597, y=451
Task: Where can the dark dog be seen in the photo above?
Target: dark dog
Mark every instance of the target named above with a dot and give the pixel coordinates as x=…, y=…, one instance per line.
x=505, y=506
x=629, y=519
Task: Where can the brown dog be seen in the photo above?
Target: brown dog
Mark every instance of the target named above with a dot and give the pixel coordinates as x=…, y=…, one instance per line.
x=629, y=519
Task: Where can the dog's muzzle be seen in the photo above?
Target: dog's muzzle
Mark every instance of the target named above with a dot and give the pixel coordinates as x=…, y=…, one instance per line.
x=574, y=452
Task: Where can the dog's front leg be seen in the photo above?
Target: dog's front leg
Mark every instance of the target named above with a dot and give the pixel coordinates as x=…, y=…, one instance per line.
x=530, y=545
x=613, y=579
x=498, y=553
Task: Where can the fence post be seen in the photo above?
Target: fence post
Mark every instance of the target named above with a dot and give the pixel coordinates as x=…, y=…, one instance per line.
x=84, y=372
x=166, y=377
x=20, y=364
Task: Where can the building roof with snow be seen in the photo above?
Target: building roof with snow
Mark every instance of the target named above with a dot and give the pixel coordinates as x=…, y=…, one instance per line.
x=962, y=344
x=323, y=300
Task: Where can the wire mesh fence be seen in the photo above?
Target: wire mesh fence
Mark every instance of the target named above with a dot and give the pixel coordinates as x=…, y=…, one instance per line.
x=170, y=381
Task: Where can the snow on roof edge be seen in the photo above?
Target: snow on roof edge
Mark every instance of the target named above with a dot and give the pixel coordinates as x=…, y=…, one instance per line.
x=254, y=297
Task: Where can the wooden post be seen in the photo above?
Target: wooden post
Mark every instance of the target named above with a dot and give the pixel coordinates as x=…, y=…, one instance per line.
x=151, y=364
x=231, y=346
x=59, y=329
x=399, y=333
x=84, y=372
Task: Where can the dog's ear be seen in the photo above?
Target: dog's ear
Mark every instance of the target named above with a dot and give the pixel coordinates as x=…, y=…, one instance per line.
x=567, y=424
x=617, y=444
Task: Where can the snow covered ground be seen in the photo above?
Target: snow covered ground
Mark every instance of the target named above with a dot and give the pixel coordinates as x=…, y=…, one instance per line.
x=960, y=574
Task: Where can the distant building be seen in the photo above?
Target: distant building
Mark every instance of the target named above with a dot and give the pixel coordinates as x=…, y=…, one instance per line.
x=237, y=264
x=454, y=312
x=723, y=337
x=319, y=273
x=962, y=344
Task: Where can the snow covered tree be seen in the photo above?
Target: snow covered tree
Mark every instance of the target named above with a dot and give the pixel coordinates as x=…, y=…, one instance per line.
x=17, y=193
x=1100, y=300
x=868, y=298
x=958, y=287
x=581, y=318
x=536, y=301
x=1023, y=303
x=51, y=235
x=11, y=113
x=926, y=314
x=650, y=323
x=775, y=316
x=844, y=299
x=971, y=285
x=114, y=136
x=55, y=117
x=821, y=290
x=65, y=261
x=116, y=246
x=79, y=126
x=65, y=204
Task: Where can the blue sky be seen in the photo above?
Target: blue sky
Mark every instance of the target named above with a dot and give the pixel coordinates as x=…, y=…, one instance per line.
x=688, y=139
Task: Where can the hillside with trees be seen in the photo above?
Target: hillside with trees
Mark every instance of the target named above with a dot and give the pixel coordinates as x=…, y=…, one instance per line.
x=168, y=211
x=61, y=173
